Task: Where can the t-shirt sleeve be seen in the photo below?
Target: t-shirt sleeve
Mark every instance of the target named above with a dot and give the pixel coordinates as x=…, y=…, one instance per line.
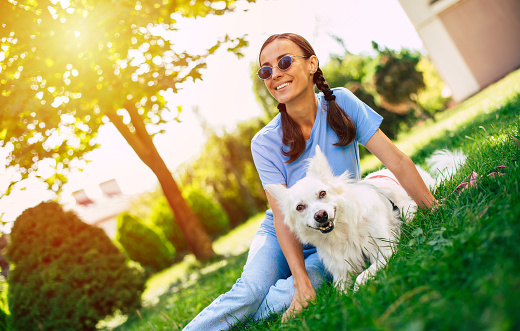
x=268, y=171
x=366, y=119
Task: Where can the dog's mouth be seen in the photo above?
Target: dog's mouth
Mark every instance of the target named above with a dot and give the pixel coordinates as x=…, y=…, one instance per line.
x=327, y=227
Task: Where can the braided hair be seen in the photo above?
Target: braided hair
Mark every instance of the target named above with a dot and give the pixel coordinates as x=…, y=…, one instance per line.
x=337, y=119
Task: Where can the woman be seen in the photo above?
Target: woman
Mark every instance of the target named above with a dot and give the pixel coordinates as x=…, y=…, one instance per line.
x=278, y=272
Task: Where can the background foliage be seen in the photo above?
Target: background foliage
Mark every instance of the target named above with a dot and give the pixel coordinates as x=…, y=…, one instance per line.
x=213, y=218
x=142, y=244
x=68, y=275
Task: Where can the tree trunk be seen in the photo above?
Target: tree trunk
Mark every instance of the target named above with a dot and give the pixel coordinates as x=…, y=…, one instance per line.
x=196, y=237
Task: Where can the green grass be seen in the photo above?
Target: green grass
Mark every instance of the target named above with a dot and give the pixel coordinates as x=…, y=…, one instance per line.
x=455, y=269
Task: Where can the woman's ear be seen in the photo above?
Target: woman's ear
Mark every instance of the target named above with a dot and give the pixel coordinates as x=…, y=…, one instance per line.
x=313, y=64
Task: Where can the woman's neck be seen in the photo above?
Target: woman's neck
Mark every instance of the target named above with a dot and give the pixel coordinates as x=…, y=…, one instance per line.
x=303, y=112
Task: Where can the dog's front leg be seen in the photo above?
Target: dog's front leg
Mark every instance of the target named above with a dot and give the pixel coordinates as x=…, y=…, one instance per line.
x=370, y=272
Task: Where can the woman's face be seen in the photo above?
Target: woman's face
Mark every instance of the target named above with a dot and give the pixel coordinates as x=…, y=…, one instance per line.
x=289, y=85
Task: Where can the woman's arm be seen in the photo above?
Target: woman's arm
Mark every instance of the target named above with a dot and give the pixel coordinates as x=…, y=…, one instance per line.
x=293, y=252
x=402, y=167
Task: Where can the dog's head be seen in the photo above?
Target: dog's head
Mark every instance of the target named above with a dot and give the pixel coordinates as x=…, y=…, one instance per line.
x=310, y=205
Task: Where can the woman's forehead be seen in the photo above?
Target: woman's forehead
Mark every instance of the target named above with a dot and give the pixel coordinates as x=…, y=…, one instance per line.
x=276, y=49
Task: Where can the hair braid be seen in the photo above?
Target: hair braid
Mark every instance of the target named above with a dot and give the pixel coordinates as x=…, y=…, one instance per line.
x=292, y=135
x=337, y=119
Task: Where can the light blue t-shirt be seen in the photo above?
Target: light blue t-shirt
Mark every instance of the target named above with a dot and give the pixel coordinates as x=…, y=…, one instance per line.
x=272, y=165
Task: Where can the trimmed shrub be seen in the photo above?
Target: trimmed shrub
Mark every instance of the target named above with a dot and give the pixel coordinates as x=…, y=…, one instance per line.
x=210, y=214
x=142, y=244
x=162, y=217
x=68, y=275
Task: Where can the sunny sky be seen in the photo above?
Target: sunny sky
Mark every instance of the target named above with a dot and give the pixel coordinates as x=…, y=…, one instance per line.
x=225, y=96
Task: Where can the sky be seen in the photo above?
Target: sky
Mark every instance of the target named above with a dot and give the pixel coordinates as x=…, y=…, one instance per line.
x=225, y=95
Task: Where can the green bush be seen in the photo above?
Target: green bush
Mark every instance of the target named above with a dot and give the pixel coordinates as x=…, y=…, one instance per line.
x=4, y=310
x=431, y=98
x=142, y=244
x=67, y=275
x=161, y=216
x=209, y=213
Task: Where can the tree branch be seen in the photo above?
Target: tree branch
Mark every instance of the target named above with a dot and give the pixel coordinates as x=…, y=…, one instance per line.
x=130, y=137
x=137, y=121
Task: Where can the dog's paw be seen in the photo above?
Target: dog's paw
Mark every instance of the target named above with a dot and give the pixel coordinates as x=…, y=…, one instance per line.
x=361, y=279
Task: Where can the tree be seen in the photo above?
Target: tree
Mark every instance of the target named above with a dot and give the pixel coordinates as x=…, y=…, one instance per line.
x=396, y=78
x=356, y=73
x=67, y=67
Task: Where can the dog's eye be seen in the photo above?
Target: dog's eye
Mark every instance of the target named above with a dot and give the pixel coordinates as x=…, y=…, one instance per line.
x=300, y=207
x=322, y=194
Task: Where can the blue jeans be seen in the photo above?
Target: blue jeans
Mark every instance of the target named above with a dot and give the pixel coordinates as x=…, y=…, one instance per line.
x=265, y=286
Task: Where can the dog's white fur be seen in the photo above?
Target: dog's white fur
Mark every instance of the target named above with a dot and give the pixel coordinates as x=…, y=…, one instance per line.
x=366, y=222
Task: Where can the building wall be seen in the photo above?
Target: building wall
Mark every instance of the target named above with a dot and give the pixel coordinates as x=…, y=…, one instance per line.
x=471, y=42
x=446, y=57
x=487, y=34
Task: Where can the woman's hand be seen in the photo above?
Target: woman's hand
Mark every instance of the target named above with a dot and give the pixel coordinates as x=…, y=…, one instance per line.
x=303, y=294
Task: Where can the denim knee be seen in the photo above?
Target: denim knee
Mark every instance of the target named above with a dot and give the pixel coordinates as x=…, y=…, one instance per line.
x=250, y=294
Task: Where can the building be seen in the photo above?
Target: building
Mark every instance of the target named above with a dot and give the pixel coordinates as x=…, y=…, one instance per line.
x=103, y=211
x=472, y=43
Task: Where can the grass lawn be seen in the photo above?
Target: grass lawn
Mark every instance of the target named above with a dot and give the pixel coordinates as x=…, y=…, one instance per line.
x=455, y=269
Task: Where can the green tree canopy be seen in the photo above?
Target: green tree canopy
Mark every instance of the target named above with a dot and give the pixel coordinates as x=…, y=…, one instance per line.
x=67, y=67
x=396, y=78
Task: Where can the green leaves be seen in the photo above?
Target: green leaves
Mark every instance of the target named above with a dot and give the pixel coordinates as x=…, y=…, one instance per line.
x=85, y=59
x=397, y=78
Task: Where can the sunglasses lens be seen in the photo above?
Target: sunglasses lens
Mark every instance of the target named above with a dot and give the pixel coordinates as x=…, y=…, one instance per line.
x=265, y=72
x=285, y=62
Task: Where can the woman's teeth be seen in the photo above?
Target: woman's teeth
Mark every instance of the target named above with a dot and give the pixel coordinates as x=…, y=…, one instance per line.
x=282, y=86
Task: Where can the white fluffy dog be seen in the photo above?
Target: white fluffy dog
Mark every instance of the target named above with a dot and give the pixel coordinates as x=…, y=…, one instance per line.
x=352, y=224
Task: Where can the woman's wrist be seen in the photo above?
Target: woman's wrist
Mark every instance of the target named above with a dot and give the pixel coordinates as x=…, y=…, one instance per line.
x=302, y=280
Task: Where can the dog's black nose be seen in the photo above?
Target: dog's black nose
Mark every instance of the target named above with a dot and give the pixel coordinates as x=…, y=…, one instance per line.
x=321, y=216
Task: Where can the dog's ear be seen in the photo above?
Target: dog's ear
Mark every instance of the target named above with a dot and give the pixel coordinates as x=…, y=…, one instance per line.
x=278, y=191
x=319, y=166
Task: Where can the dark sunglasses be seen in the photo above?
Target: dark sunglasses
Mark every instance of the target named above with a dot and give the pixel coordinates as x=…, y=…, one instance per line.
x=284, y=64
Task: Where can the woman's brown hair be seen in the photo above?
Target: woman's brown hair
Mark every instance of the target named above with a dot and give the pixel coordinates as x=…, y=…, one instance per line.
x=337, y=119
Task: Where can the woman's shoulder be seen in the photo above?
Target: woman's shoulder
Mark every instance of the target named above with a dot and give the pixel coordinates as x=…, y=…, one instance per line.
x=269, y=133
x=344, y=94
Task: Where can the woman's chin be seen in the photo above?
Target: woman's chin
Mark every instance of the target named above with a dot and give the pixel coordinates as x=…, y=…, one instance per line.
x=283, y=98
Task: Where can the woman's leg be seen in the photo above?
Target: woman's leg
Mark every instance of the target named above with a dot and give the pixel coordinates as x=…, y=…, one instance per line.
x=281, y=294
x=265, y=265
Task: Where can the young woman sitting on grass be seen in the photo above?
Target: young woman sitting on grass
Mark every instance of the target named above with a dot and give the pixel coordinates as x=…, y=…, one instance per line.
x=280, y=274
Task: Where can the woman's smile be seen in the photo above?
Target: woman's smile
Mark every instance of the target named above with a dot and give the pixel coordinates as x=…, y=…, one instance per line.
x=282, y=86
